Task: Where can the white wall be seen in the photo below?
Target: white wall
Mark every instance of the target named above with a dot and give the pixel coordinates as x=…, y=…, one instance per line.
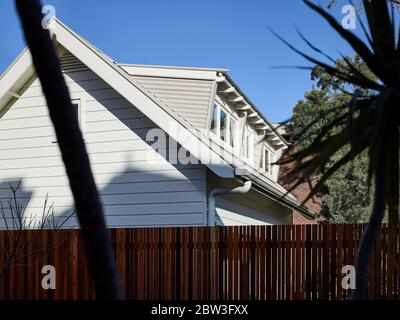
x=252, y=208
x=136, y=190
x=239, y=211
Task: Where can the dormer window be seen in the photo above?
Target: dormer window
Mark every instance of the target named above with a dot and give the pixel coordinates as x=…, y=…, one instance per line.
x=223, y=125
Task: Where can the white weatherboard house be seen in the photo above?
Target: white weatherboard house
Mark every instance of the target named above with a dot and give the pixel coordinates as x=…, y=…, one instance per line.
x=201, y=111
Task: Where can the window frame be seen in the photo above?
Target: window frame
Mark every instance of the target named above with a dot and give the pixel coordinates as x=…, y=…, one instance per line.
x=80, y=113
x=267, y=150
x=223, y=134
x=215, y=109
x=81, y=116
x=231, y=117
x=248, y=144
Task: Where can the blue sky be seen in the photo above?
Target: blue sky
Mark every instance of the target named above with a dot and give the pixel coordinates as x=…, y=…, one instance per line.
x=232, y=34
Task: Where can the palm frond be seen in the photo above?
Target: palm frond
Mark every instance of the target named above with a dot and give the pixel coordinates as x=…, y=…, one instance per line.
x=362, y=50
x=369, y=121
x=345, y=76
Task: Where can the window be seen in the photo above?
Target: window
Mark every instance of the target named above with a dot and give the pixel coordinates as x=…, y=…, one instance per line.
x=77, y=108
x=266, y=165
x=232, y=132
x=77, y=105
x=223, y=125
x=248, y=144
x=214, y=120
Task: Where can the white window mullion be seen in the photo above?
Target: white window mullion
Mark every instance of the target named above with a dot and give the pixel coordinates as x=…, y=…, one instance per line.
x=269, y=162
x=250, y=145
x=82, y=116
x=218, y=121
x=228, y=130
x=245, y=146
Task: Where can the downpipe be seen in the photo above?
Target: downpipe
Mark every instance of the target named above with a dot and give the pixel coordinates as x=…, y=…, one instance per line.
x=215, y=192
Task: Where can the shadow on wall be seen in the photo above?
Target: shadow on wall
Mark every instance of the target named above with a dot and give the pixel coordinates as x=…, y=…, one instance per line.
x=12, y=208
x=15, y=212
x=142, y=194
x=137, y=182
x=135, y=190
x=162, y=196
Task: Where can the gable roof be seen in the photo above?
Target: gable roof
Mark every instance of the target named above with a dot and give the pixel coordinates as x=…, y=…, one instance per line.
x=135, y=84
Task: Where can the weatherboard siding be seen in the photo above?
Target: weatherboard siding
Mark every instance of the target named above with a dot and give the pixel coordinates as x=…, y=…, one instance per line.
x=251, y=208
x=70, y=63
x=241, y=211
x=189, y=98
x=138, y=186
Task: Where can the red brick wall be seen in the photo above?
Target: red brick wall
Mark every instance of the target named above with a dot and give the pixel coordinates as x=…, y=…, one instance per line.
x=300, y=192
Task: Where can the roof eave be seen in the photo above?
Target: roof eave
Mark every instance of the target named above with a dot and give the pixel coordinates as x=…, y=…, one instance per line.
x=255, y=109
x=285, y=199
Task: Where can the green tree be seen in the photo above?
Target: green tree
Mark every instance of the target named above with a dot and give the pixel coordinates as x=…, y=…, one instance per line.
x=346, y=197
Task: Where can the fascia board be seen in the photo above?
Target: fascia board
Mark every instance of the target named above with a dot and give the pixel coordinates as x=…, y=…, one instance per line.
x=284, y=197
x=17, y=70
x=170, y=73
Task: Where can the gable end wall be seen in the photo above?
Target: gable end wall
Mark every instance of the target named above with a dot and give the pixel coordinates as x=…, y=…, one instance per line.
x=138, y=186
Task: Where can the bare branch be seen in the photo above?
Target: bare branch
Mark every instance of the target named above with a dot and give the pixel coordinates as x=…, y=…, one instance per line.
x=17, y=227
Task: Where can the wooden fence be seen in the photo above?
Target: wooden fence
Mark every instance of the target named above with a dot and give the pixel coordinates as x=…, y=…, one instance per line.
x=263, y=262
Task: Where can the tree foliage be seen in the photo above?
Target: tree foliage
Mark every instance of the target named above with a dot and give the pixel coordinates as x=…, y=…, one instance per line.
x=369, y=122
x=346, y=197
x=332, y=3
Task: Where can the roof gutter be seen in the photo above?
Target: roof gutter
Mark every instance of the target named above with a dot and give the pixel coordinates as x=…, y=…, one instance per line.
x=282, y=198
x=211, y=199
